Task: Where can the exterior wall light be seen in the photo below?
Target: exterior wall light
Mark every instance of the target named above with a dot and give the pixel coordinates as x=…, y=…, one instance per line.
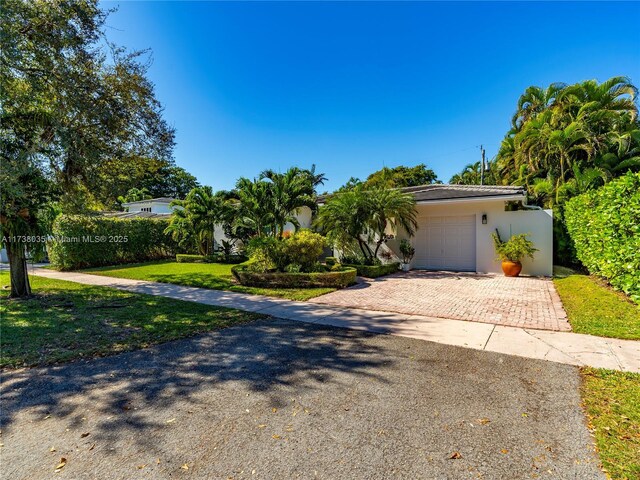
x=484, y=218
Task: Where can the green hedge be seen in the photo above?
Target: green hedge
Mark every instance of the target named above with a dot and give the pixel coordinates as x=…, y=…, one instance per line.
x=81, y=241
x=185, y=258
x=605, y=227
x=334, y=279
x=374, y=271
x=215, y=258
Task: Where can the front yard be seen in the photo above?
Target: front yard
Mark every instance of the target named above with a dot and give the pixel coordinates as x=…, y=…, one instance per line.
x=595, y=309
x=65, y=321
x=216, y=276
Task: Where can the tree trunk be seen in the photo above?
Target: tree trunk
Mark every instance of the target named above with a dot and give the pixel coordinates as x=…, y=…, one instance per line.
x=20, y=286
x=378, y=244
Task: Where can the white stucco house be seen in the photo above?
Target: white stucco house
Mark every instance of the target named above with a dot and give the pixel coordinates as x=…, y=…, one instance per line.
x=152, y=205
x=455, y=223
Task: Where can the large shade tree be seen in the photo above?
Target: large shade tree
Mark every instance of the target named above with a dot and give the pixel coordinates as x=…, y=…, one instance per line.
x=69, y=108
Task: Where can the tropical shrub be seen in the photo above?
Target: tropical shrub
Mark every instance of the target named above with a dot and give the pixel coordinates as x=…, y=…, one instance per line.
x=81, y=241
x=407, y=250
x=605, y=227
x=298, y=252
x=331, y=261
x=375, y=271
x=514, y=249
x=333, y=277
x=304, y=248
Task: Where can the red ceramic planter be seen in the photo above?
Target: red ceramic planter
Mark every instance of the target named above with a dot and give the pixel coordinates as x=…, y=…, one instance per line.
x=511, y=269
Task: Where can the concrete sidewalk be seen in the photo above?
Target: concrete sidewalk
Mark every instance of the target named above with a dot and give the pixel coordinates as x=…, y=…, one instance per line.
x=561, y=347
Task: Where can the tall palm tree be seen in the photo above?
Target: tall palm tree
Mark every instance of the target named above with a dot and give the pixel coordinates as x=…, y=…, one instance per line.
x=254, y=206
x=534, y=101
x=290, y=191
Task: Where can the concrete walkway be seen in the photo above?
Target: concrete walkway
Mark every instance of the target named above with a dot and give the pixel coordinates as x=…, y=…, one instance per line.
x=561, y=347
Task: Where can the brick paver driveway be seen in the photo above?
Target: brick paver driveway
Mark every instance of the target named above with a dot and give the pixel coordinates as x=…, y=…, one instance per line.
x=528, y=302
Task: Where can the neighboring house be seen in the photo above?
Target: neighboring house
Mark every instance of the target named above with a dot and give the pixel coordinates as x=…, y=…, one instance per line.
x=152, y=205
x=455, y=223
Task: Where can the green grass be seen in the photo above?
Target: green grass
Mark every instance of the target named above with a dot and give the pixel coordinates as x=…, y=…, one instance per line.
x=594, y=308
x=216, y=276
x=63, y=321
x=612, y=402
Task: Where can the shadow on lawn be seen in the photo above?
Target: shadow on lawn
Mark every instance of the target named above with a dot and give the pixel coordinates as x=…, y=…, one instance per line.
x=203, y=280
x=263, y=357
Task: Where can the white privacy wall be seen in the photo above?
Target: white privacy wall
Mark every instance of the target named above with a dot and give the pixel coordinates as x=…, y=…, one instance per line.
x=537, y=223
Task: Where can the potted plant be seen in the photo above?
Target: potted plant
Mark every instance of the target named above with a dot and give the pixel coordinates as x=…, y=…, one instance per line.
x=408, y=251
x=512, y=252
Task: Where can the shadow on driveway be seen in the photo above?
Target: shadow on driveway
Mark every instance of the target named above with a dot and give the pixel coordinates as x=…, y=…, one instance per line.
x=283, y=399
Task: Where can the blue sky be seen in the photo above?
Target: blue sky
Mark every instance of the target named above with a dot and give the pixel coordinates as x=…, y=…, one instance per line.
x=355, y=86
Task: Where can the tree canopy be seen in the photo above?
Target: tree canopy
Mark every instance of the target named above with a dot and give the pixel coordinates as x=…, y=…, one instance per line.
x=568, y=138
x=396, y=177
x=74, y=113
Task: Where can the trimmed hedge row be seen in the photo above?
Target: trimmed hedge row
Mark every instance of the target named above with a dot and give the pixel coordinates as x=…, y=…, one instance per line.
x=604, y=225
x=374, y=271
x=334, y=279
x=215, y=258
x=81, y=241
x=186, y=258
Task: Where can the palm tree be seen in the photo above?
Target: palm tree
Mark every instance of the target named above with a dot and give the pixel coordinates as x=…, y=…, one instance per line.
x=290, y=191
x=388, y=210
x=196, y=216
x=344, y=219
x=254, y=206
x=534, y=101
x=470, y=175
x=360, y=216
x=268, y=203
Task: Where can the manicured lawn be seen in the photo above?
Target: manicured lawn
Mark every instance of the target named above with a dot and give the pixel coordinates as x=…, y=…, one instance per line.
x=596, y=309
x=612, y=402
x=64, y=321
x=216, y=276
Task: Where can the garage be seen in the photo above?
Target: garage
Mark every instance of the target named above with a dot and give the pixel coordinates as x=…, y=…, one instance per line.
x=446, y=243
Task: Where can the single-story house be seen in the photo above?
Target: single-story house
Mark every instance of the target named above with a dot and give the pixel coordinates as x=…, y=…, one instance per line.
x=455, y=223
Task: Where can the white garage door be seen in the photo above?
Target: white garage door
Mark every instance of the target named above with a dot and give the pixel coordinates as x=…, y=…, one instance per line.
x=447, y=243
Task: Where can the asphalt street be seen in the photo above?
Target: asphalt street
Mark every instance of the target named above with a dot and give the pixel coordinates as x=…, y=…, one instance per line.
x=283, y=399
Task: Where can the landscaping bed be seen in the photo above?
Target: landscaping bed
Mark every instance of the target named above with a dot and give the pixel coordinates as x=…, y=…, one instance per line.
x=374, y=271
x=215, y=258
x=331, y=279
x=216, y=276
